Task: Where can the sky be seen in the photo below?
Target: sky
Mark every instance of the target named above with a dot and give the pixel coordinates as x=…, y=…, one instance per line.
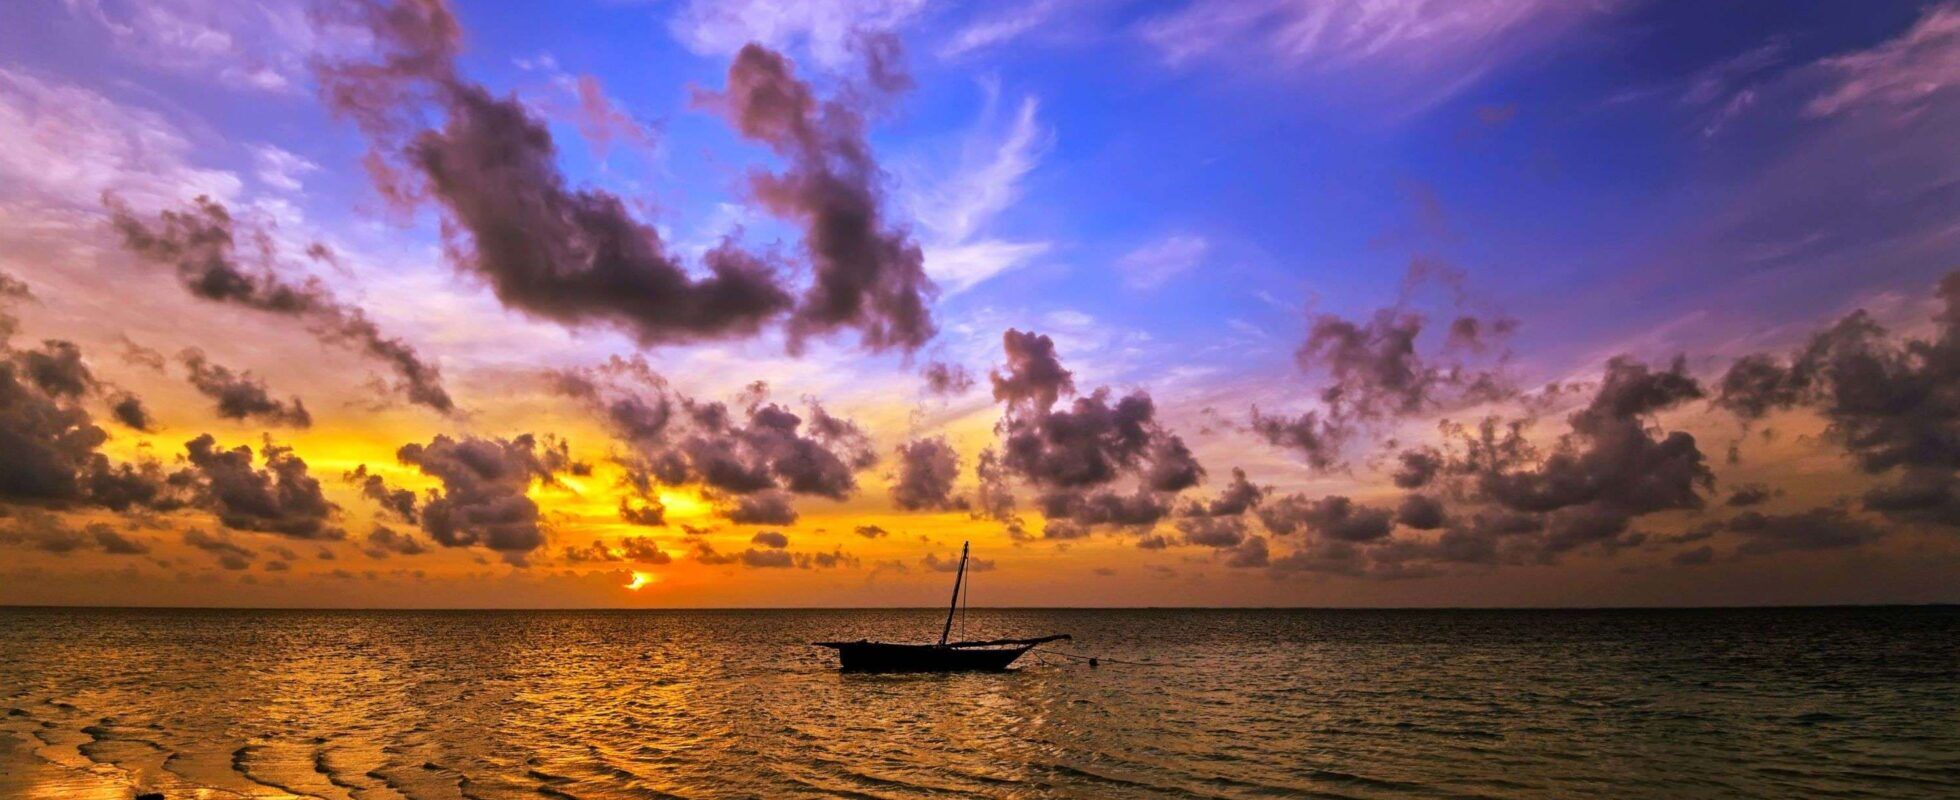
x=760, y=303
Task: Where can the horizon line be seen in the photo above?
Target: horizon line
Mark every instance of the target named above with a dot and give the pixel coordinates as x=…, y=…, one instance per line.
x=671, y=609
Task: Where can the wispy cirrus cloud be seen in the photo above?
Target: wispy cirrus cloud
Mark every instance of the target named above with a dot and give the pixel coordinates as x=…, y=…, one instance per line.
x=1902, y=74
x=68, y=144
x=256, y=46
x=1151, y=265
x=582, y=101
x=1418, y=51
x=957, y=209
x=1724, y=91
x=824, y=28
x=998, y=28
x=279, y=168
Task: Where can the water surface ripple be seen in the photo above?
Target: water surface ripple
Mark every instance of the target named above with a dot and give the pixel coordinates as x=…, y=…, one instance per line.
x=1327, y=704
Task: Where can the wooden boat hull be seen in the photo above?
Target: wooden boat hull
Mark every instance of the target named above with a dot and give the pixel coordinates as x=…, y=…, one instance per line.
x=888, y=657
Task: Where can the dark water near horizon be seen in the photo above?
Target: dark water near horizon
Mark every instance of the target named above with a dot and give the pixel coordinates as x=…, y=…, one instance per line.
x=1854, y=702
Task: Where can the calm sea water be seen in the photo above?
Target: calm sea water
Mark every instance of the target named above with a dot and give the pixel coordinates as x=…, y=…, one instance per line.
x=219, y=704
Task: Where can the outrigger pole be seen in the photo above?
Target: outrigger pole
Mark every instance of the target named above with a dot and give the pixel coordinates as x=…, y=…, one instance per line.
x=955, y=605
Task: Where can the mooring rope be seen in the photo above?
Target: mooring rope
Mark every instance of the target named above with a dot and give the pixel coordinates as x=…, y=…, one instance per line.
x=1099, y=659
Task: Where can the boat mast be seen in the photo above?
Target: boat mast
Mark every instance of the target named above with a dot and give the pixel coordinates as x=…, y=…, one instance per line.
x=955, y=604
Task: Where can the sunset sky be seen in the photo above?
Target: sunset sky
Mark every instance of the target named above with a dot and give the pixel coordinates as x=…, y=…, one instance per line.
x=771, y=303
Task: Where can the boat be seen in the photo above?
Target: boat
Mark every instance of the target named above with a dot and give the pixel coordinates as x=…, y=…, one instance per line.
x=989, y=655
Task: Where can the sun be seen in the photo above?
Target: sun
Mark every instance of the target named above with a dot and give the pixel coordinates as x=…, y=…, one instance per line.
x=642, y=580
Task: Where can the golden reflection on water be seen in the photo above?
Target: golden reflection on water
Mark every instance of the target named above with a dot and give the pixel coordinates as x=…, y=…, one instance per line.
x=596, y=705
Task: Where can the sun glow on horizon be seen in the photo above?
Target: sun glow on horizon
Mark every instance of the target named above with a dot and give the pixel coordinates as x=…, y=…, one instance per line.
x=642, y=580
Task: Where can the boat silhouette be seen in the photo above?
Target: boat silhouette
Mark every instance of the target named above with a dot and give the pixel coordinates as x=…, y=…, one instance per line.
x=864, y=655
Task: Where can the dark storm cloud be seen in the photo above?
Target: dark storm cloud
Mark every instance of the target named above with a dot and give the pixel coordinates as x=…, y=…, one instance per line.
x=1332, y=517
x=1249, y=554
x=767, y=559
x=867, y=273
x=1478, y=334
x=482, y=501
x=1610, y=458
x=1750, y=494
x=993, y=494
x=751, y=457
x=57, y=369
x=946, y=379
x=834, y=559
x=1033, y=374
x=765, y=508
x=1172, y=466
x=114, y=543
x=1493, y=498
x=230, y=554
x=1313, y=435
x=933, y=562
x=1374, y=372
x=1919, y=495
x=1238, y=496
x=594, y=552
x=1088, y=444
x=577, y=257
x=636, y=549
x=1075, y=455
x=61, y=375
x=1374, y=366
x=415, y=43
x=769, y=450
x=771, y=557
x=1059, y=529
x=925, y=475
x=12, y=288
x=46, y=532
x=1574, y=528
x=650, y=512
x=1421, y=512
x=1823, y=528
x=147, y=357
x=643, y=550
x=1888, y=401
x=574, y=257
x=1523, y=506
x=1216, y=532
x=1757, y=384
x=1698, y=556
x=1072, y=455
x=1481, y=538
x=241, y=395
x=282, y=497
x=49, y=443
x=200, y=243
x=384, y=541
x=1140, y=509
x=1417, y=467
x=773, y=539
x=11, y=291
x=706, y=554
x=129, y=410
x=393, y=499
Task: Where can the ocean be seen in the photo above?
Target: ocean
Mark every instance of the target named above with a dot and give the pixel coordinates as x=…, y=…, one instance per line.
x=1834, y=702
